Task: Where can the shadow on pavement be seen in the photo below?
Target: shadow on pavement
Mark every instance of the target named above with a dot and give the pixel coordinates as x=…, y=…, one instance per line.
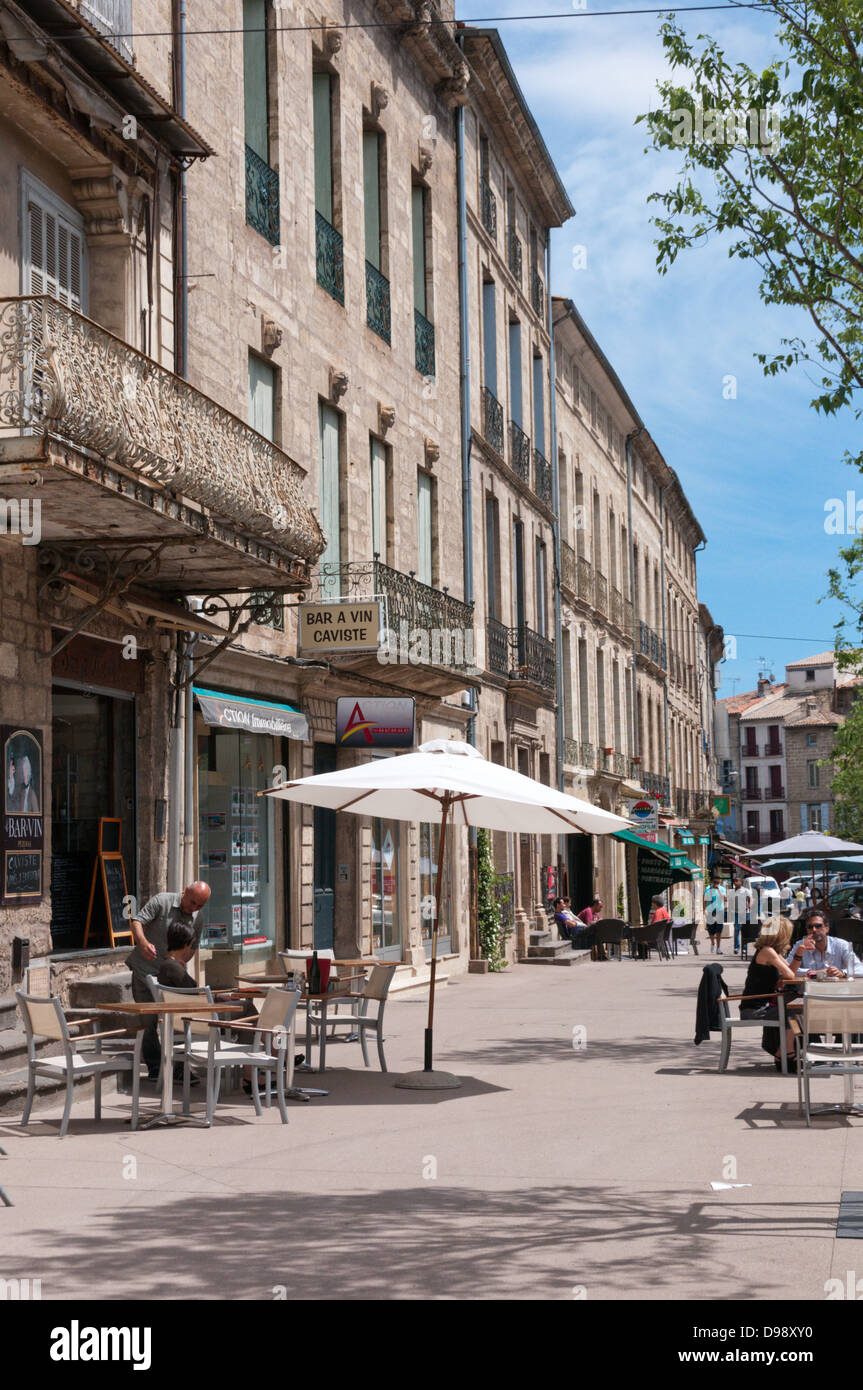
x=429, y=1242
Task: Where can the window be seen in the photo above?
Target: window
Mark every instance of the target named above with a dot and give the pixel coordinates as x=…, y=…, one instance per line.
x=541, y=580
x=583, y=690
x=54, y=252
x=810, y=675
x=425, y=508
x=516, y=409
x=262, y=181
x=812, y=774
x=489, y=336
x=538, y=406
x=492, y=557
x=329, y=426
x=262, y=396
x=329, y=249
x=811, y=740
x=379, y=471
x=377, y=284
x=423, y=328
x=113, y=18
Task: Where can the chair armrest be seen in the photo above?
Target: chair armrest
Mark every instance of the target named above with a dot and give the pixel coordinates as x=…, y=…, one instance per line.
x=80, y=1022
x=242, y=1027
x=751, y=996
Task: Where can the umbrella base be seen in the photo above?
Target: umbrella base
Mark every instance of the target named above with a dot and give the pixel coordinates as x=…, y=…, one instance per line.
x=428, y=1081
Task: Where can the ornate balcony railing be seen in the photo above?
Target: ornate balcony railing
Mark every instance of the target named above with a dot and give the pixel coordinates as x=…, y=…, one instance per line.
x=534, y=657
x=329, y=259
x=377, y=302
x=488, y=207
x=588, y=755
x=513, y=254
x=492, y=420
x=270, y=611
x=600, y=593
x=750, y=794
x=262, y=197
x=651, y=645
x=572, y=752
x=774, y=793
x=657, y=786
x=773, y=750
x=537, y=293
x=542, y=480
x=519, y=452
x=410, y=606
x=568, y=567
x=620, y=764
x=113, y=18
x=423, y=344
x=497, y=654
x=585, y=578
x=63, y=375
x=616, y=610
x=627, y=617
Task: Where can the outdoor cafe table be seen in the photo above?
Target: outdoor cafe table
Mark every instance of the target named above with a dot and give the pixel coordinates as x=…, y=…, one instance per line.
x=842, y=989
x=166, y=1011
x=331, y=997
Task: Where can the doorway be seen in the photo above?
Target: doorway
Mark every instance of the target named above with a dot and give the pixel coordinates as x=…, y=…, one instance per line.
x=324, y=857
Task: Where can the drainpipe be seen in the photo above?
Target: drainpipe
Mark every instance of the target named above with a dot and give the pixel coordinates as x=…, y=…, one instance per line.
x=183, y=367
x=466, y=479
x=191, y=868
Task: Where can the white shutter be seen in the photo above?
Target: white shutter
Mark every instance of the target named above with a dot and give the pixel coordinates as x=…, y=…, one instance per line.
x=330, y=514
x=379, y=499
x=53, y=259
x=424, y=528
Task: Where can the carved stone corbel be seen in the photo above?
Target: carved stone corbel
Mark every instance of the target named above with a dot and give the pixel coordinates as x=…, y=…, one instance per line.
x=271, y=336
x=386, y=417
x=380, y=99
x=453, y=90
x=332, y=39
x=339, y=383
x=102, y=200
x=425, y=158
x=432, y=452
x=421, y=23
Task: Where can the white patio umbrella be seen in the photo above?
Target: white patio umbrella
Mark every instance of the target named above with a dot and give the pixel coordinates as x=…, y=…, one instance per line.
x=813, y=845
x=448, y=781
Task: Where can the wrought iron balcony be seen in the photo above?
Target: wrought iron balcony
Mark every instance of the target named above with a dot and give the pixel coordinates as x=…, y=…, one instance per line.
x=377, y=302
x=423, y=345
x=262, y=197
x=519, y=452
x=571, y=752
x=616, y=610
x=773, y=750
x=651, y=645
x=568, y=567
x=750, y=794
x=537, y=293
x=488, y=207
x=749, y=750
x=775, y=793
x=621, y=764
x=64, y=377
x=329, y=259
x=588, y=755
x=513, y=254
x=542, y=480
x=585, y=579
x=600, y=593
x=418, y=616
x=497, y=655
x=492, y=420
x=520, y=654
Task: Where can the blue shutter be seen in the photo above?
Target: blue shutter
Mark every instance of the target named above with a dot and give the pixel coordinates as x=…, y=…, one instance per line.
x=804, y=817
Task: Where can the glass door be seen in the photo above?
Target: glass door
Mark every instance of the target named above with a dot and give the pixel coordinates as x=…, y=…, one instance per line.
x=429, y=847
x=386, y=918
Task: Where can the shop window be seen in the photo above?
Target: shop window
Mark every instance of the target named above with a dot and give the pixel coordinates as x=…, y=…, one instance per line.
x=386, y=922
x=429, y=849
x=237, y=841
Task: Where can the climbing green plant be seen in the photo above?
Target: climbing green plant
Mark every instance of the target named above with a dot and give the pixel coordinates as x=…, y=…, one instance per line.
x=489, y=923
x=621, y=903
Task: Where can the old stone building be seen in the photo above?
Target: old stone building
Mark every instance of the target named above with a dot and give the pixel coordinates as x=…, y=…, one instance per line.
x=513, y=198
x=636, y=678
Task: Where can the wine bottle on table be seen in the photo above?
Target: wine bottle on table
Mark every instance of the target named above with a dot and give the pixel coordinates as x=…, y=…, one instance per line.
x=314, y=975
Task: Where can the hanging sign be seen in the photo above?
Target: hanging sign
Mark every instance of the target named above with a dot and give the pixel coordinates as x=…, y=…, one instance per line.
x=645, y=814
x=337, y=628
x=23, y=822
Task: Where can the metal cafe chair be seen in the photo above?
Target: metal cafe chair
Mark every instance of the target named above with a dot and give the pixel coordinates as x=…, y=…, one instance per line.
x=270, y=1050
x=610, y=931
x=729, y=1023
x=44, y=1018
x=376, y=989
x=830, y=1009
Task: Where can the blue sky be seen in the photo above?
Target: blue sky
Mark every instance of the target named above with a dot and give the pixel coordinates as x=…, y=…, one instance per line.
x=757, y=469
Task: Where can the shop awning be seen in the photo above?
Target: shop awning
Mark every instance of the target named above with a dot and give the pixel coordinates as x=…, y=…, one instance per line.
x=675, y=857
x=686, y=871
x=244, y=715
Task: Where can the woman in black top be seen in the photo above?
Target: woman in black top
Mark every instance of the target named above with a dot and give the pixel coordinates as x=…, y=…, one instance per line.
x=768, y=972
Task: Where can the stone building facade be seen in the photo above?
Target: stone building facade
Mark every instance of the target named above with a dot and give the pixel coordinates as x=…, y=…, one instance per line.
x=637, y=681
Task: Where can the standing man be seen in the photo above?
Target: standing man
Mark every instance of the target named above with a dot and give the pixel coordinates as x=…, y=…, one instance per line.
x=740, y=900
x=714, y=912
x=150, y=934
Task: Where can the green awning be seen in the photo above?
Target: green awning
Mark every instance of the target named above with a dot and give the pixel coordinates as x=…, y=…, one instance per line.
x=675, y=857
x=692, y=871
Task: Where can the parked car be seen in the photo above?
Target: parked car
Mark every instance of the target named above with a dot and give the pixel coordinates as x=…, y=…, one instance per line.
x=850, y=895
x=767, y=900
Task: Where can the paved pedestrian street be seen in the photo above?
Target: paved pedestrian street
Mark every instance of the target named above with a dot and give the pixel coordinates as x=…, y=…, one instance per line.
x=575, y=1162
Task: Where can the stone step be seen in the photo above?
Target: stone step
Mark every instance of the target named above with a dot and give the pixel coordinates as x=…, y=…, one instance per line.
x=538, y=937
x=571, y=958
x=9, y=1016
x=101, y=990
x=550, y=948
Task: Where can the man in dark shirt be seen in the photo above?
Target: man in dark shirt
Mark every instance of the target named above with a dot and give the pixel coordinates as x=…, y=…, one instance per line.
x=149, y=932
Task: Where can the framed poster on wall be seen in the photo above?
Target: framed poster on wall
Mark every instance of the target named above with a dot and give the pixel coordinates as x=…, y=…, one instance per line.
x=22, y=839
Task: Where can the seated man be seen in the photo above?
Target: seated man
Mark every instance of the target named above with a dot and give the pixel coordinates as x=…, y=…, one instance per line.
x=567, y=922
x=181, y=942
x=820, y=951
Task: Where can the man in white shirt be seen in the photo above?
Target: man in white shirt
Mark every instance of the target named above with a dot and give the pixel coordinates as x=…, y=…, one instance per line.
x=820, y=951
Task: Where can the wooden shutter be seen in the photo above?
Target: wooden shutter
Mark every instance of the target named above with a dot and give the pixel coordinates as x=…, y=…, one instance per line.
x=379, y=499
x=54, y=251
x=424, y=528
x=329, y=483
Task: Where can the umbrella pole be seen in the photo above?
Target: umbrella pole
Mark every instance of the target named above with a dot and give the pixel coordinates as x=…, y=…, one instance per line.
x=441, y=855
